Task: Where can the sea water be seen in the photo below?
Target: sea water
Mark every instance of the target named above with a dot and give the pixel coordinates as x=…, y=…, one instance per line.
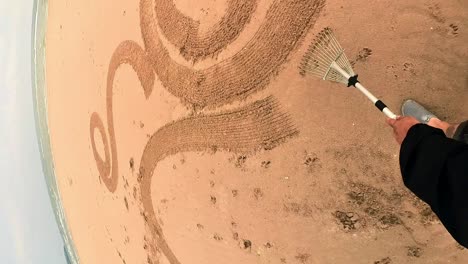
x=39, y=28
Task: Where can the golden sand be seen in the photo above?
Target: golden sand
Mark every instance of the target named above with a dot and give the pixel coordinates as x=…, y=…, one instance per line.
x=184, y=133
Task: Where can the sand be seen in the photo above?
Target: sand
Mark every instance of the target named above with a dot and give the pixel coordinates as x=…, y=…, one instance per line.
x=183, y=132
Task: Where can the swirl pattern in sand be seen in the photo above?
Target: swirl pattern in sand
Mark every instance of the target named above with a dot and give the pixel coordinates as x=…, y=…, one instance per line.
x=184, y=32
x=261, y=124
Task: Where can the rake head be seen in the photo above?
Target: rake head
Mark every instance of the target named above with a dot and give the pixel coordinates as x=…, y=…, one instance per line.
x=322, y=54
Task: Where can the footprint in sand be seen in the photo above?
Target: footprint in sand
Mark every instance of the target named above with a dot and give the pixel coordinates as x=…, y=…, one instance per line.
x=362, y=56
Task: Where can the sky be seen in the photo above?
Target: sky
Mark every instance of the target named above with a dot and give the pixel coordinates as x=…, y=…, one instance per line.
x=28, y=231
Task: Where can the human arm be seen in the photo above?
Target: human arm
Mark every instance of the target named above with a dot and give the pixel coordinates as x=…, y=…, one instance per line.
x=435, y=168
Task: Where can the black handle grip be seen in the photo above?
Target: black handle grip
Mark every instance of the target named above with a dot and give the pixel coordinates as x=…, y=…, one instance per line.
x=380, y=105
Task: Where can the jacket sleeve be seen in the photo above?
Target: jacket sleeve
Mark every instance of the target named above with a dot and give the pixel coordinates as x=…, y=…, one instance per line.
x=435, y=168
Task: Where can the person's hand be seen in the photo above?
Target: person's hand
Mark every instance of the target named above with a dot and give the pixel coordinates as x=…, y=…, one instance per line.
x=401, y=125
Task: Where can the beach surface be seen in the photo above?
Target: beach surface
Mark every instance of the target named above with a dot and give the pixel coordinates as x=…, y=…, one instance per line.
x=182, y=131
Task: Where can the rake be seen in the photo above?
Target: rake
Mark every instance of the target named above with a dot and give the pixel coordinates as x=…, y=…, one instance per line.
x=327, y=60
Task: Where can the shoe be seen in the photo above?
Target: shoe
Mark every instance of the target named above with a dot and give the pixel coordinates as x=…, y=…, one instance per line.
x=412, y=108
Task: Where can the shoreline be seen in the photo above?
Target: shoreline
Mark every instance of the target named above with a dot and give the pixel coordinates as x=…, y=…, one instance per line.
x=40, y=111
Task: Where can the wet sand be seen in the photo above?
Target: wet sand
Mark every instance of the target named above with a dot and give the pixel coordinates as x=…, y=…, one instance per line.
x=184, y=133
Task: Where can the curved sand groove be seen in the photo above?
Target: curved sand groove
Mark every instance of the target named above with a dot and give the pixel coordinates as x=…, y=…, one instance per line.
x=183, y=32
x=258, y=125
x=127, y=52
x=246, y=72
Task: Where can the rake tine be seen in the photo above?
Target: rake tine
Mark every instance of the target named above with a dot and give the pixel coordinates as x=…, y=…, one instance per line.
x=326, y=59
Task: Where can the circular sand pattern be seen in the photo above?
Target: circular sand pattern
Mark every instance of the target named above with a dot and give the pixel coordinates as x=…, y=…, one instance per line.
x=184, y=32
x=260, y=124
x=243, y=74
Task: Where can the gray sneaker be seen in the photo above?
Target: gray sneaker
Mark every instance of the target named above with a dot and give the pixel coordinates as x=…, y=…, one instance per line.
x=412, y=108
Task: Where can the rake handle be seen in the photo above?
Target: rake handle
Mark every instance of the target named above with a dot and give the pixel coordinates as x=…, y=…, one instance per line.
x=378, y=103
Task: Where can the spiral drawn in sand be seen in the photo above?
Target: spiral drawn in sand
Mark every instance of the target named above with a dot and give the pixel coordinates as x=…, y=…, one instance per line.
x=184, y=32
x=128, y=52
x=258, y=125
x=245, y=73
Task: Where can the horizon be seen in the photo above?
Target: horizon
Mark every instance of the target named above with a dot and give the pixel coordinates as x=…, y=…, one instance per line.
x=31, y=234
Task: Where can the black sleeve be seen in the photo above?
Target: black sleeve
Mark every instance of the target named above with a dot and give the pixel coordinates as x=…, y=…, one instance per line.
x=435, y=168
